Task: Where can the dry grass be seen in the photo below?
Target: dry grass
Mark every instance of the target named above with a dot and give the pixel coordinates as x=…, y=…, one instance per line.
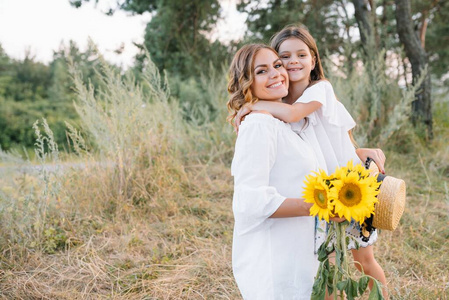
x=415, y=256
x=182, y=249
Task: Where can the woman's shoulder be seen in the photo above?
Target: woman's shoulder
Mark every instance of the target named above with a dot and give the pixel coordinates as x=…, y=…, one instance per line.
x=261, y=122
x=260, y=117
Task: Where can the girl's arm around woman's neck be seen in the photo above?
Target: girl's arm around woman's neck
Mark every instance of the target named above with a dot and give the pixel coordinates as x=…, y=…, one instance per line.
x=286, y=112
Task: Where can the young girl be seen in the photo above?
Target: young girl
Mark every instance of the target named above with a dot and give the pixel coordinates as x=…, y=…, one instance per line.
x=327, y=126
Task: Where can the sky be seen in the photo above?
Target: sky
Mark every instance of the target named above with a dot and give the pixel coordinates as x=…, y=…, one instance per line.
x=39, y=26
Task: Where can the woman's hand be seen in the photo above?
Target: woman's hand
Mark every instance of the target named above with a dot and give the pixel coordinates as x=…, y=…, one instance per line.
x=337, y=219
x=375, y=154
x=246, y=109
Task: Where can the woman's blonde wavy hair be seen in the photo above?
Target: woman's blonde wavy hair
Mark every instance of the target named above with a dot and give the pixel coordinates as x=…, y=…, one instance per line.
x=241, y=77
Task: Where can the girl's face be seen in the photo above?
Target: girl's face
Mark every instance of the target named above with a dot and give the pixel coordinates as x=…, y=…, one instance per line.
x=297, y=59
x=270, y=77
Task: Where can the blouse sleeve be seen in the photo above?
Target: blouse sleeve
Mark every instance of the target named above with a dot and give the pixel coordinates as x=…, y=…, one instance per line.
x=332, y=110
x=255, y=153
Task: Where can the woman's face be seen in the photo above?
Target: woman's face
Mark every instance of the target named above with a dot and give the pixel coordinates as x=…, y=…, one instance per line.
x=270, y=77
x=297, y=59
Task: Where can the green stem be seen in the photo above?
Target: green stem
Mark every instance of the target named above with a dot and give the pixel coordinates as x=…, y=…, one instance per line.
x=343, y=247
x=337, y=245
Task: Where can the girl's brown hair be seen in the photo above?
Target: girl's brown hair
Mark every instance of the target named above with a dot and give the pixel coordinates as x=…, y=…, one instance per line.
x=301, y=33
x=241, y=77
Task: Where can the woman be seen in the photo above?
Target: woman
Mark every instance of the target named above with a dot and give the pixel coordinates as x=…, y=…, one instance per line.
x=274, y=236
x=312, y=96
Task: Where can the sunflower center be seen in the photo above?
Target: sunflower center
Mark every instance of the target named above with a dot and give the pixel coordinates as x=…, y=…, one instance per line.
x=350, y=195
x=321, y=198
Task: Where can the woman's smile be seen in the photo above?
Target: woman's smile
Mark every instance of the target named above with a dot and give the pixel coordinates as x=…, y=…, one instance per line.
x=276, y=85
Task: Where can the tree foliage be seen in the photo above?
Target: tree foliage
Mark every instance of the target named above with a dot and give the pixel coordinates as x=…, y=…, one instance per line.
x=322, y=17
x=177, y=36
x=437, y=36
x=30, y=90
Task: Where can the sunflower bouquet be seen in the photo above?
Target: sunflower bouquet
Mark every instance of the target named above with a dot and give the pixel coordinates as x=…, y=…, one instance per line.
x=349, y=192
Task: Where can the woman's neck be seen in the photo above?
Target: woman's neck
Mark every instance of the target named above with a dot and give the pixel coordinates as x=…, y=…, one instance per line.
x=272, y=100
x=295, y=90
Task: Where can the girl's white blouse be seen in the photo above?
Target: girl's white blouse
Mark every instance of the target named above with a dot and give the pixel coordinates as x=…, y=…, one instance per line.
x=327, y=131
x=272, y=258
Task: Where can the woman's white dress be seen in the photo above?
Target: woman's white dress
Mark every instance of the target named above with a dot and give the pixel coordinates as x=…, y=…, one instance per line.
x=327, y=133
x=272, y=258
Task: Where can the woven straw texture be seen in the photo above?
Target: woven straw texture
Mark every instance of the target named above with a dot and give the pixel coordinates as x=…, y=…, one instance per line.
x=391, y=204
x=389, y=209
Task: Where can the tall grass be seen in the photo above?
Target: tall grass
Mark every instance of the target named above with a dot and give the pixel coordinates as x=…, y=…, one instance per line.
x=380, y=107
x=142, y=215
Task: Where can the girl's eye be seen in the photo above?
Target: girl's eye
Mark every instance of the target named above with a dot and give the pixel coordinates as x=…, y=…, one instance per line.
x=285, y=57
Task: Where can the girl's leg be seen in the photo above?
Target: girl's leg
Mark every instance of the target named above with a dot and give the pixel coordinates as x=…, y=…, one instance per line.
x=364, y=258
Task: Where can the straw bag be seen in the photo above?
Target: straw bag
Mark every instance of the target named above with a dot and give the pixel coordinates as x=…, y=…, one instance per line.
x=389, y=209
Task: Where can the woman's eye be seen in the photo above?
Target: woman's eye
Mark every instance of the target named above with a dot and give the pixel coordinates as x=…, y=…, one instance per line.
x=277, y=66
x=260, y=72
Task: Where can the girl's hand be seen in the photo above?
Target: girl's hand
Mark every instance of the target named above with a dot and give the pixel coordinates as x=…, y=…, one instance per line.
x=246, y=109
x=376, y=154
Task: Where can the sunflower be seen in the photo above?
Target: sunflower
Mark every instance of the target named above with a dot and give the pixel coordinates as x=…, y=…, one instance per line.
x=355, y=193
x=317, y=192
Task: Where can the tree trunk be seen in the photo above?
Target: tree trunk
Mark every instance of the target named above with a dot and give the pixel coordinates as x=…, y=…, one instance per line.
x=422, y=105
x=361, y=16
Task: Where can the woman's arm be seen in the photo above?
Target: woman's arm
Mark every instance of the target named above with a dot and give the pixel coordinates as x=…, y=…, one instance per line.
x=292, y=207
x=282, y=111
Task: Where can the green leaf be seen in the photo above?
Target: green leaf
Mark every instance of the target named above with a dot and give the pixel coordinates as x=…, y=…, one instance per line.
x=357, y=245
x=330, y=275
x=348, y=240
x=341, y=285
x=322, y=253
x=318, y=296
x=351, y=289
x=330, y=280
x=330, y=289
x=319, y=286
x=338, y=255
x=363, y=284
x=376, y=292
x=319, y=289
